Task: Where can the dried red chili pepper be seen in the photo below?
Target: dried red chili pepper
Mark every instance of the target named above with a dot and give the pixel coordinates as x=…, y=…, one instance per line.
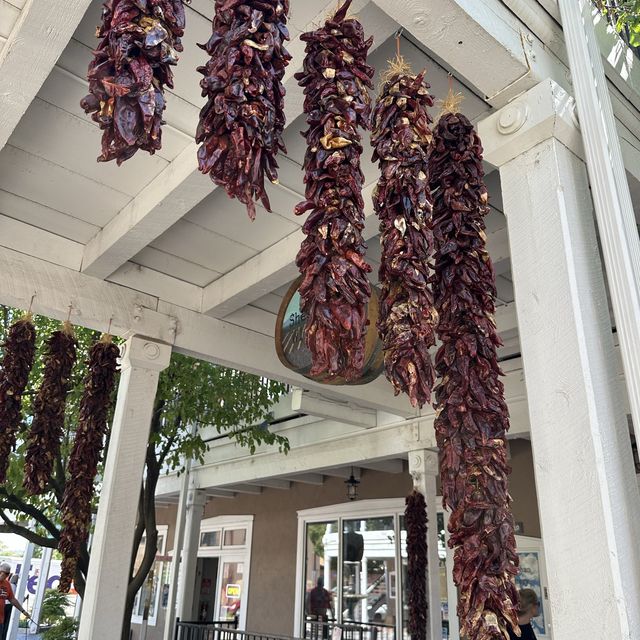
x=415, y=518
x=19, y=350
x=140, y=40
x=43, y=443
x=473, y=418
x=335, y=290
x=401, y=140
x=85, y=456
x=241, y=125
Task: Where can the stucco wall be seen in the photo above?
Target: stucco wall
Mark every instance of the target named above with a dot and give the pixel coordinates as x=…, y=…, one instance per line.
x=271, y=594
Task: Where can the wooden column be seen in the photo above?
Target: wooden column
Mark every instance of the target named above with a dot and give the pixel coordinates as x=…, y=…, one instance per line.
x=587, y=492
x=108, y=576
x=196, y=500
x=423, y=467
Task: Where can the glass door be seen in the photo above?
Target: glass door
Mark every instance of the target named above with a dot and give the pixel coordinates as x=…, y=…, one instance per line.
x=230, y=588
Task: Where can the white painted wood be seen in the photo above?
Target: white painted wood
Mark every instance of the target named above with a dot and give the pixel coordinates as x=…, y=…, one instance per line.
x=394, y=465
x=574, y=400
x=275, y=483
x=220, y=493
x=36, y=242
x=38, y=37
x=247, y=488
x=316, y=479
x=614, y=210
x=9, y=15
x=251, y=317
x=312, y=404
x=53, y=186
x=41, y=587
x=45, y=218
x=20, y=591
x=105, y=593
x=545, y=111
x=423, y=467
x=135, y=276
x=96, y=305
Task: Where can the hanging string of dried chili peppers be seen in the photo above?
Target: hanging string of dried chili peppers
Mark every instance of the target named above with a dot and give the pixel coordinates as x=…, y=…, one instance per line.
x=415, y=518
x=472, y=418
x=19, y=350
x=334, y=291
x=401, y=140
x=241, y=125
x=45, y=434
x=140, y=40
x=85, y=456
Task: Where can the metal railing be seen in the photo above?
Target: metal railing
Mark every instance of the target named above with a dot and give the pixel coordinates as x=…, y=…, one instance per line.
x=215, y=630
x=315, y=629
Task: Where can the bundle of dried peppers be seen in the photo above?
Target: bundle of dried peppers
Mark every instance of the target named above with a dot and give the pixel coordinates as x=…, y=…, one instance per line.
x=139, y=41
x=401, y=140
x=19, y=350
x=242, y=122
x=334, y=291
x=85, y=456
x=415, y=517
x=472, y=419
x=45, y=434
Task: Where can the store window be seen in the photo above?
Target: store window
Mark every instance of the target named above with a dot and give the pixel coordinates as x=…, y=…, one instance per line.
x=148, y=597
x=235, y=537
x=211, y=539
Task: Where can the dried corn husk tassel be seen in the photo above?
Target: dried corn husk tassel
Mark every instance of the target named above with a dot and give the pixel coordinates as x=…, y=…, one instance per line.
x=415, y=518
x=85, y=456
x=19, y=350
x=402, y=140
x=241, y=125
x=472, y=419
x=43, y=444
x=335, y=290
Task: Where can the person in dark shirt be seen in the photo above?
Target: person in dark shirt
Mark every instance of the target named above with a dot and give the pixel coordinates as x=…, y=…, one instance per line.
x=319, y=601
x=528, y=607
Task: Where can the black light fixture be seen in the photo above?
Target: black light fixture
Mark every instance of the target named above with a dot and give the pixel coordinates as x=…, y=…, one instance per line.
x=352, y=486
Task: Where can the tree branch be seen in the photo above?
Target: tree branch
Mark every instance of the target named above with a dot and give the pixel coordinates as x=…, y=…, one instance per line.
x=31, y=536
x=16, y=504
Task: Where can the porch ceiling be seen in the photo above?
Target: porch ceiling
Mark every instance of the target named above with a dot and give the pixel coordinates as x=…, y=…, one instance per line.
x=191, y=268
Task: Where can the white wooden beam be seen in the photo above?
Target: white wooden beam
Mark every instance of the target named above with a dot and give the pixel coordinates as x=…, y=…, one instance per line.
x=312, y=404
x=180, y=186
x=395, y=465
x=249, y=489
x=274, y=483
x=37, y=39
x=219, y=493
x=316, y=479
x=481, y=41
x=342, y=472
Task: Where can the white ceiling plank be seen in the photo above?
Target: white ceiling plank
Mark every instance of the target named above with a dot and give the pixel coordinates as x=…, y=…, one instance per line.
x=219, y=493
x=37, y=242
x=253, y=318
x=178, y=189
x=307, y=478
x=342, y=472
x=45, y=218
x=308, y=403
x=135, y=276
x=9, y=15
x=37, y=39
x=174, y=266
x=249, y=489
x=275, y=483
x=53, y=186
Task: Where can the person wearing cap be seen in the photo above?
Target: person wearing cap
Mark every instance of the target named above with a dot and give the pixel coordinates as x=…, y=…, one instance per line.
x=6, y=595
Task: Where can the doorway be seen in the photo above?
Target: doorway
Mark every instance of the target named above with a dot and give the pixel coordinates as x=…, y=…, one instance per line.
x=205, y=589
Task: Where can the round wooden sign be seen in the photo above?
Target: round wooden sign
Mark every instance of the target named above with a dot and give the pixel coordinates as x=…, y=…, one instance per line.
x=295, y=355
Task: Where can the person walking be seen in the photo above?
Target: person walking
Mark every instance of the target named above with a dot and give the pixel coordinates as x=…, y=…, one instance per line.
x=6, y=596
x=528, y=607
x=318, y=603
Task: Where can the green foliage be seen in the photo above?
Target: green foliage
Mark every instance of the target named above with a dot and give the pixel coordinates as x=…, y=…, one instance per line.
x=625, y=15
x=66, y=629
x=54, y=607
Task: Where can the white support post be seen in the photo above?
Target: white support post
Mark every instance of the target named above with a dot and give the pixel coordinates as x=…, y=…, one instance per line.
x=423, y=467
x=587, y=494
x=189, y=556
x=41, y=587
x=108, y=575
x=21, y=589
x=613, y=206
x=174, y=572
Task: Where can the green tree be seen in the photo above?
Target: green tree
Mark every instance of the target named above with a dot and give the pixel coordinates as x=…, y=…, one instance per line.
x=190, y=392
x=625, y=16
